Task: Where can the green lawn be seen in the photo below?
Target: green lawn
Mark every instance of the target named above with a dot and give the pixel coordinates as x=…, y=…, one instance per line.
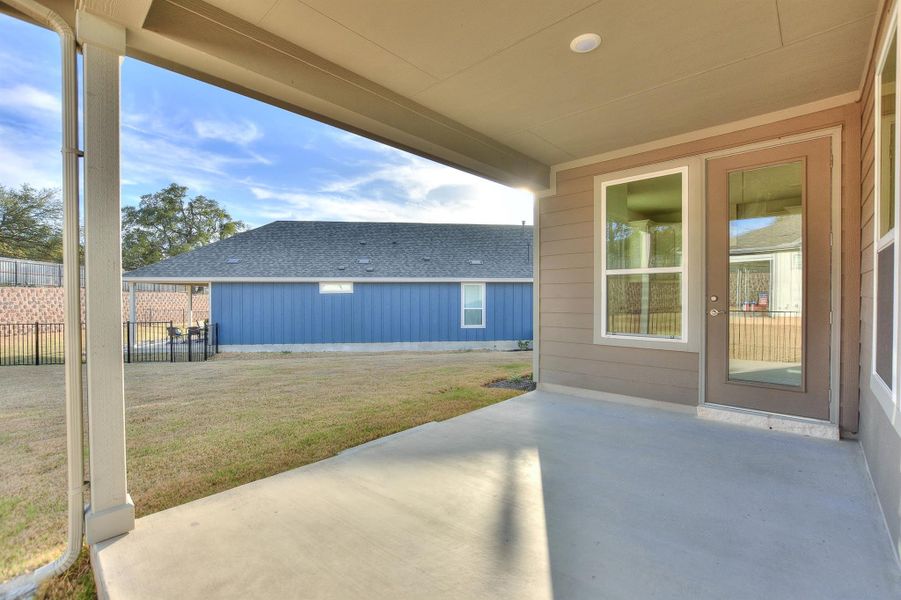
x=200, y=428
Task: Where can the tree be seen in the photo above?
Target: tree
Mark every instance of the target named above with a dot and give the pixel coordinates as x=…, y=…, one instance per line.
x=31, y=223
x=166, y=224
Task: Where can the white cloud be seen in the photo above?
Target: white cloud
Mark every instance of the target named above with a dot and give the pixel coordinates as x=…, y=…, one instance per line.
x=235, y=132
x=156, y=150
x=477, y=201
x=27, y=98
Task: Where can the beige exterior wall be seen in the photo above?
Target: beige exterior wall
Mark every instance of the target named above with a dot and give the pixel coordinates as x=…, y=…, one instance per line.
x=567, y=353
x=880, y=438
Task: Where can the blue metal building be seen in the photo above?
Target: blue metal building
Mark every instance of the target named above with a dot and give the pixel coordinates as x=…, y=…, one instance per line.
x=308, y=286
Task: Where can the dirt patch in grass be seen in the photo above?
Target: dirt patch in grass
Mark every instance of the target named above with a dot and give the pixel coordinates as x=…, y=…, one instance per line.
x=194, y=429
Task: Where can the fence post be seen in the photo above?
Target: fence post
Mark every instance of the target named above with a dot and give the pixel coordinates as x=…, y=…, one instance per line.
x=216, y=333
x=128, y=341
x=190, y=343
x=37, y=343
x=206, y=339
x=171, y=344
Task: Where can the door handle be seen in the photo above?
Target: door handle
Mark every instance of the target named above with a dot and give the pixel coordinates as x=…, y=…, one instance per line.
x=713, y=312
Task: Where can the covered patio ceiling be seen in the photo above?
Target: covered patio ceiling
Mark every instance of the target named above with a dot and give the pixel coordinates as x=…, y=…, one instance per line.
x=492, y=87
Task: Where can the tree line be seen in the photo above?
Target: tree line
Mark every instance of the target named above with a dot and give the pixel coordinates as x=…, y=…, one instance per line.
x=164, y=224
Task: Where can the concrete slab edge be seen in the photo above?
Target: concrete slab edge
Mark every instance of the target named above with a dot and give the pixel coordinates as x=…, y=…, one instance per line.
x=759, y=420
x=383, y=440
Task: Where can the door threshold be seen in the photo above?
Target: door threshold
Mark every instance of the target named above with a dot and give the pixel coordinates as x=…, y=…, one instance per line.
x=772, y=421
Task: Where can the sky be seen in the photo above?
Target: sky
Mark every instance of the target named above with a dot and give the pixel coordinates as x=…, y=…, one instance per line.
x=260, y=162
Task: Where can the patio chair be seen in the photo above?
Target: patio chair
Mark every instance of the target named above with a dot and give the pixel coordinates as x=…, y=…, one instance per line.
x=176, y=335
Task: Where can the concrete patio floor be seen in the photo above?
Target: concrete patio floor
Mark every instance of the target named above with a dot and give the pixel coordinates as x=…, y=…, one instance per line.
x=541, y=496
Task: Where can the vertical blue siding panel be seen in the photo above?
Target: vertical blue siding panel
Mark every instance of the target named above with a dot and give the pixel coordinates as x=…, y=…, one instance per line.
x=296, y=313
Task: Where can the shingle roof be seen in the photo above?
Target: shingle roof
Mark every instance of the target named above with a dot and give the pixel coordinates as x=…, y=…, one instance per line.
x=318, y=249
x=782, y=232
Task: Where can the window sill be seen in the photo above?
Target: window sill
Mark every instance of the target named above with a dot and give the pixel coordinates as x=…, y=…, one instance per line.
x=885, y=399
x=644, y=343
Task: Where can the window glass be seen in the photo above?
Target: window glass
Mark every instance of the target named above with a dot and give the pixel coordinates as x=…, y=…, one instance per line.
x=643, y=256
x=884, y=321
x=645, y=305
x=472, y=296
x=331, y=287
x=644, y=223
x=887, y=143
x=473, y=305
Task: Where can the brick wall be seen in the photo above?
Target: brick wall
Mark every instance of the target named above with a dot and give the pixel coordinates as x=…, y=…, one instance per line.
x=45, y=304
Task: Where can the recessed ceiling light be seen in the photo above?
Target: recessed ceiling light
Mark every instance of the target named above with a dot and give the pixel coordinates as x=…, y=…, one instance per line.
x=585, y=43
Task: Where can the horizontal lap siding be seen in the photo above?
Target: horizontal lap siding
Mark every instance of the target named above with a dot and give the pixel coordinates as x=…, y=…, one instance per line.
x=296, y=313
x=568, y=354
x=880, y=441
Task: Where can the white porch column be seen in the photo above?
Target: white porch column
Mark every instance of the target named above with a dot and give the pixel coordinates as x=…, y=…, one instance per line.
x=190, y=305
x=111, y=511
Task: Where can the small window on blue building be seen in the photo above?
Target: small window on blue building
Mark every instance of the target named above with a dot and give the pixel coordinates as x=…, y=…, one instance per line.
x=336, y=287
x=473, y=303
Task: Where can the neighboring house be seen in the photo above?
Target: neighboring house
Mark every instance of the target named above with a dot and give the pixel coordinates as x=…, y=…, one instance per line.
x=309, y=285
x=766, y=265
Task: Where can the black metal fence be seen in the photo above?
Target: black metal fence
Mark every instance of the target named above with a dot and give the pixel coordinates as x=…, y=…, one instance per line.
x=143, y=341
x=765, y=335
x=19, y=272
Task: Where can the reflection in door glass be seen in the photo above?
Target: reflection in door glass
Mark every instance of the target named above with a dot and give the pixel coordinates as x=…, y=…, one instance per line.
x=766, y=268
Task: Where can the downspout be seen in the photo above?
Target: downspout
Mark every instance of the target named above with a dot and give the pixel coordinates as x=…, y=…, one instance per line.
x=27, y=583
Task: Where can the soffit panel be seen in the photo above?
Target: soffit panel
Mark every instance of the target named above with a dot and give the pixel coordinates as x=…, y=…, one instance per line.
x=442, y=38
x=249, y=10
x=781, y=79
x=803, y=18
x=537, y=147
x=306, y=27
x=645, y=44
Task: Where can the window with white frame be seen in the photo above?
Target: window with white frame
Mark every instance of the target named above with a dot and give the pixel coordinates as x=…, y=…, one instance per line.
x=641, y=287
x=336, y=287
x=884, y=376
x=472, y=301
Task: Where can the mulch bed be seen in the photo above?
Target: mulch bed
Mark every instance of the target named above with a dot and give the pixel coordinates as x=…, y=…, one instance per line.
x=527, y=385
